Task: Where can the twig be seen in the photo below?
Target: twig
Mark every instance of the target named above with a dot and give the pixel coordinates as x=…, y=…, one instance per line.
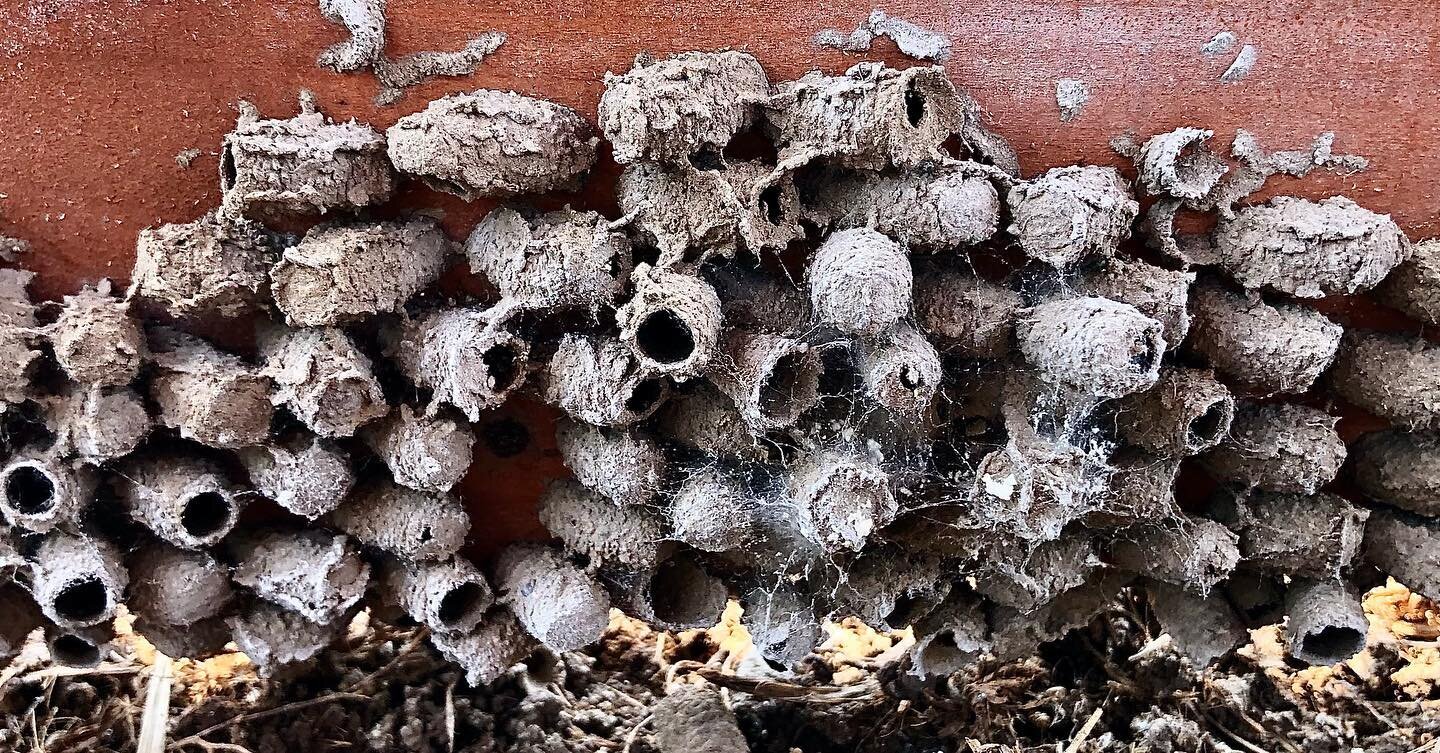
x=1085, y=730
x=198, y=737
x=400, y=655
x=635, y=732
x=157, y=707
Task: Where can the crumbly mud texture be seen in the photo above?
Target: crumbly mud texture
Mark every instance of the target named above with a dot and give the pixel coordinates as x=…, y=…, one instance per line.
x=916, y=41
x=599, y=382
x=342, y=273
x=1159, y=293
x=560, y=259
x=1278, y=447
x=1180, y=164
x=463, y=357
x=690, y=104
x=1271, y=347
x=1326, y=624
x=709, y=421
x=186, y=501
x=840, y=499
x=1092, y=344
x=210, y=396
x=306, y=475
x=1310, y=250
x=1407, y=547
x=493, y=143
x=695, y=719
x=448, y=597
x=1401, y=469
x=96, y=425
x=300, y=166
x=1071, y=94
x=1317, y=535
x=557, y=602
x=903, y=372
x=488, y=652
x=1187, y=412
x=78, y=580
x=607, y=533
x=860, y=282
x=95, y=340
x=625, y=466
x=215, y=266
x=272, y=636
x=42, y=491
x=944, y=209
x=671, y=322
x=178, y=587
x=317, y=575
x=712, y=511
x=426, y=453
x=1070, y=213
x=967, y=315
x=404, y=522
x=1395, y=377
x=323, y=379
x=398, y=75
x=770, y=379
x=1414, y=287
x=18, y=337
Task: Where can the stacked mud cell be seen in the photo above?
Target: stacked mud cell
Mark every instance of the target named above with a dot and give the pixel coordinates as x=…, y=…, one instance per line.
x=836, y=358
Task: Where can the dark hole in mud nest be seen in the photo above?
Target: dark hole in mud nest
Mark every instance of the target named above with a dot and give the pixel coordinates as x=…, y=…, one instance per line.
x=707, y=158
x=460, y=602
x=1145, y=354
x=677, y=592
x=83, y=601
x=779, y=387
x=29, y=490
x=1334, y=641
x=206, y=514
x=914, y=105
x=227, y=168
x=770, y=202
x=73, y=650
x=900, y=614
x=505, y=437
x=643, y=396
x=500, y=364
x=1206, y=428
x=665, y=338
x=910, y=378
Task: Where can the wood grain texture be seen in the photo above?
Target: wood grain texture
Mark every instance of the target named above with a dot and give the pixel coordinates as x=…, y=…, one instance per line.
x=97, y=98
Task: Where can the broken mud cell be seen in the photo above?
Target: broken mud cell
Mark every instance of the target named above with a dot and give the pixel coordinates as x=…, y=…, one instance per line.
x=409, y=524
x=626, y=467
x=463, y=358
x=902, y=372
x=342, y=273
x=711, y=511
x=967, y=315
x=1414, y=286
x=95, y=340
x=675, y=594
x=598, y=381
x=186, y=501
x=1326, y=624
x=210, y=396
x=560, y=259
x=1275, y=347
x=79, y=647
x=870, y=118
x=1180, y=164
x=1278, y=447
x=18, y=337
x=1070, y=213
x=1315, y=535
x=216, y=266
x=689, y=104
x=1142, y=490
x=272, y=636
x=488, y=652
x=860, y=282
x=175, y=587
x=782, y=623
x=1405, y=547
x=493, y=143
x=315, y=574
x=1192, y=553
x=950, y=639
x=671, y=322
x=1308, y=249
x=1400, y=468
x=910, y=39
x=306, y=475
x=426, y=453
x=42, y=491
x=694, y=718
x=1159, y=293
x=1035, y=578
x=840, y=499
x=559, y=604
x=449, y=597
x=759, y=302
x=19, y=617
x=323, y=379
x=97, y=425
x=947, y=209
x=307, y=164
x=890, y=588
x=1096, y=345
x=78, y=580
x=771, y=379
x=1185, y=413
x=1036, y=488
x=607, y=533
x=708, y=421
x=1394, y=377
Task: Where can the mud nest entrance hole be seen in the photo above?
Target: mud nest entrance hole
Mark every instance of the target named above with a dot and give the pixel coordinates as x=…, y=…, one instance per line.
x=29, y=490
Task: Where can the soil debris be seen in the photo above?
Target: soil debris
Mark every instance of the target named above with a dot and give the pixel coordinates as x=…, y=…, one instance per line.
x=1071, y=94
x=916, y=41
x=1244, y=61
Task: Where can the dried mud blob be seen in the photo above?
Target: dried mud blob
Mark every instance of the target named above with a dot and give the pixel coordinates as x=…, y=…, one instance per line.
x=554, y=260
x=304, y=474
x=860, y=282
x=95, y=340
x=782, y=623
x=592, y=525
x=870, y=118
x=77, y=580
x=689, y=104
x=1278, y=447
x=712, y=510
x=710, y=422
x=840, y=499
x=342, y=273
x=1405, y=547
x=304, y=165
x=967, y=315
x=1187, y=412
x=493, y=143
x=176, y=587
x=671, y=322
x=1204, y=628
x=407, y=523
x=771, y=379
x=1309, y=249
x=463, y=358
x=1035, y=488
x=314, y=573
x=272, y=636
x=1072, y=212
x=685, y=213
x=1314, y=535
x=1159, y=293
x=426, y=453
x=1400, y=468
x=186, y=501
x=1392, y=376
x=216, y=266
x=598, y=381
x=18, y=337
x=1180, y=164
x=950, y=639
x=695, y=719
x=902, y=372
x=1414, y=286
x=1275, y=347
x=210, y=396
x=1326, y=623
x=945, y=209
x=96, y=425
x=40, y=491
x=490, y=650
x=625, y=466
x=1093, y=345
x=323, y=379
x=557, y=602
x=448, y=597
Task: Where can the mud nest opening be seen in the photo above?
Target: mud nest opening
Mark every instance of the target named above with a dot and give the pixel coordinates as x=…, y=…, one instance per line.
x=645, y=394
x=83, y=601
x=770, y=204
x=505, y=437
x=206, y=514
x=72, y=650
x=1205, y=429
x=500, y=364
x=227, y=168
x=1146, y=354
x=665, y=338
x=461, y=602
x=708, y=158
x=1334, y=641
x=29, y=490
x=677, y=593
x=910, y=378
x=914, y=105
x=779, y=388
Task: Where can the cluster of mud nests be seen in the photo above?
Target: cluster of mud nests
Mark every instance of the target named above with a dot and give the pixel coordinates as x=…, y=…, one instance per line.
x=836, y=359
